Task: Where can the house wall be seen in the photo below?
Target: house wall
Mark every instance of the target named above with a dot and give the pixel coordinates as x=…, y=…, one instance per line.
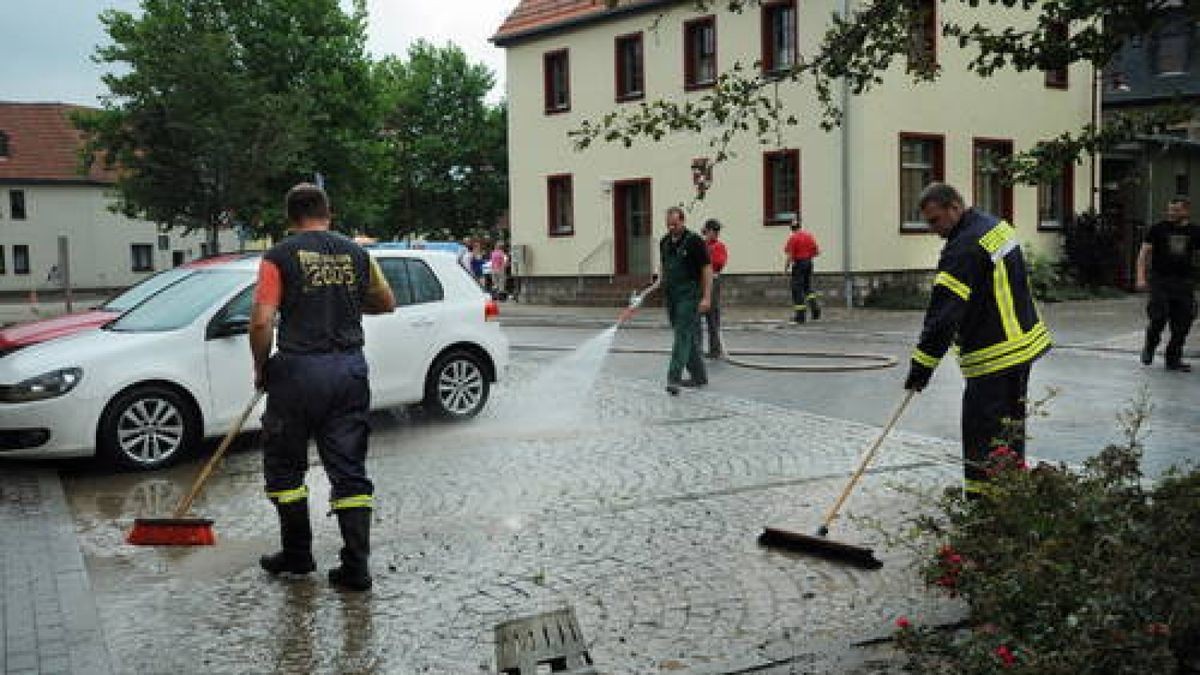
x=960, y=106
x=99, y=240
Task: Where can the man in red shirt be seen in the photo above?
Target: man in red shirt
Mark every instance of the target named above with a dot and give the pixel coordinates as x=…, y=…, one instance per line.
x=718, y=255
x=798, y=253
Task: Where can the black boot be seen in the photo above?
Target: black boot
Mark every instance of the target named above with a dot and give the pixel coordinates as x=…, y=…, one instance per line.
x=295, y=533
x=816, y=308
x=353, y=574
x=799, y=316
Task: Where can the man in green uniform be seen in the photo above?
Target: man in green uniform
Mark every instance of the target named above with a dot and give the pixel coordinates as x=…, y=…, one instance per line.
x=686, y=275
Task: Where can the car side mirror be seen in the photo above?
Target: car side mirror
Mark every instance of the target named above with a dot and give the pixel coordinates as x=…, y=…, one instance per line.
x=230, y=326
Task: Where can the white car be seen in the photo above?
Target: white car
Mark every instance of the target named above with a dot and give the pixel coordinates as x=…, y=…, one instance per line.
x=146, y=388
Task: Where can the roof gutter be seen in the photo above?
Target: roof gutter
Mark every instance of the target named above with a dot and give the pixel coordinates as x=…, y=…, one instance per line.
x=513, y=39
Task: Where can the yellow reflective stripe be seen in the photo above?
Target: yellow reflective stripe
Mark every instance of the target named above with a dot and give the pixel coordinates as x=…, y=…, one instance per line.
x=999, y=349
x=954, y=285
x=978, y=487
x=353, y=502
x=1028, y=353
x=997, y=237
x=799, y=306
x=1004, y=301
x=288, y=496
x=925, y=359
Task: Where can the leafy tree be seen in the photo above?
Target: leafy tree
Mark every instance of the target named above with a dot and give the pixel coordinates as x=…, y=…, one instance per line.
x=218, y=106
x=861, y=47
x=446, y=144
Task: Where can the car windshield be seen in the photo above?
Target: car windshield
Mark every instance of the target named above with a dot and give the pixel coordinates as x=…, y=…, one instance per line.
x=133, y=296
x=181, y=303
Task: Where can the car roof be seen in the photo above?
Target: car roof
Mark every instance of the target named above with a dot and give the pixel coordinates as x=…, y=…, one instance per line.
x=249, y=261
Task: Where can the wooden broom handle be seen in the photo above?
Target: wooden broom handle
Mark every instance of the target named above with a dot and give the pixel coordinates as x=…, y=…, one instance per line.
x=186, y=503
x=866, y=460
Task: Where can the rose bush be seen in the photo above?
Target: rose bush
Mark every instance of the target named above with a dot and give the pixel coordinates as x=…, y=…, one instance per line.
x=1062, y=571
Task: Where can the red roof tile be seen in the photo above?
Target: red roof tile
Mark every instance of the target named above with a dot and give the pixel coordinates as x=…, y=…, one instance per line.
x=43, y=145
x=536, y=15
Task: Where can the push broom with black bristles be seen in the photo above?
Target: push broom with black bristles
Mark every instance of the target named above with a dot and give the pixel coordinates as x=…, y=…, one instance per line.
x=179, y=529
x=819, y=544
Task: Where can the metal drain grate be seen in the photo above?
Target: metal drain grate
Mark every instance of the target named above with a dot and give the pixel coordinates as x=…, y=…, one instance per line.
x=542, y=643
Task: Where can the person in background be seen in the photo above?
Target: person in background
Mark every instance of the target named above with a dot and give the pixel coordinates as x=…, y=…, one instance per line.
x=477, y=260
x=718, y=255
x=798, y=254
x=499, y=264
x=1169, y=251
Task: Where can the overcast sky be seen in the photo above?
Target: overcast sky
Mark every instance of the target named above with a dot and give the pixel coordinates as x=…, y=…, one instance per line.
x=47, y=44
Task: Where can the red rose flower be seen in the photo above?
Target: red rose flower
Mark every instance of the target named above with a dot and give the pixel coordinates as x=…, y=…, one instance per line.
x=902, y=623
x=1005, y=655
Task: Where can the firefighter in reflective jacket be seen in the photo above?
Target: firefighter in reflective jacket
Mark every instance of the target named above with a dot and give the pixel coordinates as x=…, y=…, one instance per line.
x=981, y=302
x=319, y=283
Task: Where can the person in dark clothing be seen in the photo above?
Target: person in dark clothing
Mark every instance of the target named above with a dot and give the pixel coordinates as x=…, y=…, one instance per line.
x=319, y=284
x=981, y=301
x=718, y=256
x=1169, y=248
x=686, y=276
x=798, y=253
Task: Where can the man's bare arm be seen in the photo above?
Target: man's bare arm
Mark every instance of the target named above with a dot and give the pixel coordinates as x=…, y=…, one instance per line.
x=380, y=299
x=1143, y=261
x=262, y=338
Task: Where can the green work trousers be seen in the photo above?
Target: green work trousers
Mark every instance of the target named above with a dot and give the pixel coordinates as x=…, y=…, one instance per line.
x=683, y=308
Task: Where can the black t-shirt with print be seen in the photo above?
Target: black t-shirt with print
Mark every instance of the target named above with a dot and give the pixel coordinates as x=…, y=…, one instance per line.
x=1173, y=250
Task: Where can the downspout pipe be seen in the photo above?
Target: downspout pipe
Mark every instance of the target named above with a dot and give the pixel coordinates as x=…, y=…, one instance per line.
x=847, y=259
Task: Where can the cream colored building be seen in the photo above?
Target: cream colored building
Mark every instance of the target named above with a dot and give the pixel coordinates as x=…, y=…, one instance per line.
x=589, y=214
x=44, y=197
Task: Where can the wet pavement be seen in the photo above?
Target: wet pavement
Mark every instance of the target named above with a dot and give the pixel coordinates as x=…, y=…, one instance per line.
x=637, y=509
x=642, y=516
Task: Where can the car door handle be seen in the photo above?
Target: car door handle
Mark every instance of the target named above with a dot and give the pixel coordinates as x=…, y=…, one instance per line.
x=421, y=322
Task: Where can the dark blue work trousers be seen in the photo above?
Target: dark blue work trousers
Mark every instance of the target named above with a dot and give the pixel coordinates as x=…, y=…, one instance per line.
x=324, y=397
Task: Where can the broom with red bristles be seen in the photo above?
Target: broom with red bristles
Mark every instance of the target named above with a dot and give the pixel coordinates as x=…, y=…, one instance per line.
x=179, y=529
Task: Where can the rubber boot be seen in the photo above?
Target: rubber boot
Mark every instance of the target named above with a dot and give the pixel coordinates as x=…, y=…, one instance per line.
x=353, y=574
x=815, y=307
x=295, y=533
x=799, y=316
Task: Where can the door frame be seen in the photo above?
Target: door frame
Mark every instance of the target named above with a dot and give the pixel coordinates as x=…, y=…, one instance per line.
x=620, y=238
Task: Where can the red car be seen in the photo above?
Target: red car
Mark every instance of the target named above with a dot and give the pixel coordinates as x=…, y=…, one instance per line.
x=33, y=332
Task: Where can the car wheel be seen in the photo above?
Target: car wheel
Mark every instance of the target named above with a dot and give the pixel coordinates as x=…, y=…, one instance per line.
x=147, y=428
x=457, y=386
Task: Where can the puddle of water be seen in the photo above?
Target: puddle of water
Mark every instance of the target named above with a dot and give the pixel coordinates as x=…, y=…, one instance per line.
x=560, y=395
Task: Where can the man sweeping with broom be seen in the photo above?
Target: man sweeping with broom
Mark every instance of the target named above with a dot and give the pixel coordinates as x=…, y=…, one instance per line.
x=319, y=284
x=980, y=300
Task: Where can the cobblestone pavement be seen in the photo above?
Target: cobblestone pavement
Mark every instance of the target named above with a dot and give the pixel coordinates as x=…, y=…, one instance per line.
x=48, y=621
x=642, y=515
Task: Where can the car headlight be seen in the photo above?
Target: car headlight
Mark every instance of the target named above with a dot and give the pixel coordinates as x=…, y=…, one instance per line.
x=43, y=386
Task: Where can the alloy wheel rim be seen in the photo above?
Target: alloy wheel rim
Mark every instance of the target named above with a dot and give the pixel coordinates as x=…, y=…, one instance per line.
x=150, y=430
x=460, y=387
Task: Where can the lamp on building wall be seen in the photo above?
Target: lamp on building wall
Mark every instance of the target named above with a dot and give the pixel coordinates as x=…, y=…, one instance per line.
x=702, y=175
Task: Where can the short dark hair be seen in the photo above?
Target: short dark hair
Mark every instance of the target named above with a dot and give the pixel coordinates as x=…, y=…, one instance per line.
x=941, y=194
x=712, y=224
x=677, y=210
x=1181, y=201
x=306, y=200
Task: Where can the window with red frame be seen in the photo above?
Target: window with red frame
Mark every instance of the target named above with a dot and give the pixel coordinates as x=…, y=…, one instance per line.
x=922, y=35
x=992, y=194
x=922, y=161
x=557, y=73
x=1056, y=203
x=1056, y=77
x=630, y=68
x=778, y=36
x=560, y=199
x=700, y=52
x=781, y=186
